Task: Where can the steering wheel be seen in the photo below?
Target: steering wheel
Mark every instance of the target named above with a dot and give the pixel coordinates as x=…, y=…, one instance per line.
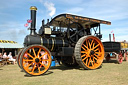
x=75, y=31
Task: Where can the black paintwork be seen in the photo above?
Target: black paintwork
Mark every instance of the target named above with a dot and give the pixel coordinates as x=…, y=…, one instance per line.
x=112, y=46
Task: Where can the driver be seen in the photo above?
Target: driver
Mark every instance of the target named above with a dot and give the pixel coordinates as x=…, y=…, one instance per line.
x=87, y=30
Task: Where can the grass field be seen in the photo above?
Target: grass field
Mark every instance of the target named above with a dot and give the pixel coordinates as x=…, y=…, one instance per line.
x=109, y=74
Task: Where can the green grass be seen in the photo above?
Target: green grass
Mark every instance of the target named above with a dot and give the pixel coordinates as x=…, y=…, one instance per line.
x=109, y=74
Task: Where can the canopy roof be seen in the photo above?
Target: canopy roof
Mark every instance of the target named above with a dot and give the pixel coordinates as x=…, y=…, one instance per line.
x=64, y=19
x=9, y=44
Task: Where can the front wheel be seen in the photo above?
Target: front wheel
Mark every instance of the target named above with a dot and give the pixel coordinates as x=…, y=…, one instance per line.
x=35, y=60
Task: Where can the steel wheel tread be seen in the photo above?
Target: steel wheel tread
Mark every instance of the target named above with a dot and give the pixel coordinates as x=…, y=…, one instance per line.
x=78, y=53
x=18, y=58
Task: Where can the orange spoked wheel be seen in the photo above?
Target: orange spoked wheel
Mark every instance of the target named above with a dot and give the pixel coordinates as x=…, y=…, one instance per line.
x=18, y=58
x=89, y=52
x=35, y=60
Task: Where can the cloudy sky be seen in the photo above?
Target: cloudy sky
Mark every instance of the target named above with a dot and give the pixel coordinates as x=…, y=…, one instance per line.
x=14, y=14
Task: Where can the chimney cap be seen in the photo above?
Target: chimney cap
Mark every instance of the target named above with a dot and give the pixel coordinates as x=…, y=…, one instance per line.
x=33, y=8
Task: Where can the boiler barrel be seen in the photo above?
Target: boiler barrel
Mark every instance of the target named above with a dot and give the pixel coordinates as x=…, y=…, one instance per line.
x=50, y=43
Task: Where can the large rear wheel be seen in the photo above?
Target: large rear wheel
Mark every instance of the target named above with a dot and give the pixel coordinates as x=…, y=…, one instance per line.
x=35, y=60
x=89, y=52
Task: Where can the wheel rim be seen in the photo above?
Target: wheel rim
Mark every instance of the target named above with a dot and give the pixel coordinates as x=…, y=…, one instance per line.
x=18, y=58
x=35, y=60
x=92, y=52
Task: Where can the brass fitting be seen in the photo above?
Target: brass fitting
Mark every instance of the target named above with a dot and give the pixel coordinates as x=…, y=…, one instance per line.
x=33, y=8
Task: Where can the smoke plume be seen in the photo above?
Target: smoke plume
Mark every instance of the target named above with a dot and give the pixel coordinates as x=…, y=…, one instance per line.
x=50, y=7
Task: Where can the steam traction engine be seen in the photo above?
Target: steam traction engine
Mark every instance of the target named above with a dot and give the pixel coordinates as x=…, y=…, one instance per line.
x=115, y=51
x=67, y=38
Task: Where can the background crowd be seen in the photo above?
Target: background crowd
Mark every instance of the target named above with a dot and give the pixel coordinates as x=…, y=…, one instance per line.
x=7, y=57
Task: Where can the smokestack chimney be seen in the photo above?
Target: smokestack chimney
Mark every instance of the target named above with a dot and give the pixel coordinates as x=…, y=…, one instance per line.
x=43, y=23
x=110, y=37
x=48, y=22
x=33, y=18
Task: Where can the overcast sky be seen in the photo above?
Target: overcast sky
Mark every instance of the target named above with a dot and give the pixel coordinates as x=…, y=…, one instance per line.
x=14, y=14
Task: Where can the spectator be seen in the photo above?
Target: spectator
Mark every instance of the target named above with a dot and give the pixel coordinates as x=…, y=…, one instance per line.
x=11, y=58
x=5, y=55
x=1, y=56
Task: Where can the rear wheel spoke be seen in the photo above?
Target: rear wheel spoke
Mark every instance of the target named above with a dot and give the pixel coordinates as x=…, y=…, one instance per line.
x=96, y=46
x=84, y=58
x=92, y=42
x=83, y=55
x=85, y=46
x=84, y=52
x=96, y=49
x=86, y=61
x=93, y=45
x=89, y=45
x=93, y=59
x=99, y=53
x=92, y=63
x=89, y=61
x=96, y=55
